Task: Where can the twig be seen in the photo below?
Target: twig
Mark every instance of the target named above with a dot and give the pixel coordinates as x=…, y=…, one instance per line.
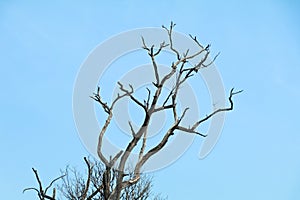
x=169, y=31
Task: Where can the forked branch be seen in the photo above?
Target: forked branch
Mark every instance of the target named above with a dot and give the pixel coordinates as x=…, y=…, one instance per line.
x=42, y=194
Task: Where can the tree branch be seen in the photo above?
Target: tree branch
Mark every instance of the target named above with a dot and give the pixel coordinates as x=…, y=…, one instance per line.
x=131, y=129
x=143, y=145
x=87, y=185
x=189, y=130
x=115, y=158
x=108, y=110
x=53, y=182
x=152, y=54
x=100, y=139
x=164, y=108
x=97, y=98
x=211, y=62
x=129, y=93
x=197, y=42
x=159, y=146
x=169, y=31
x=41, y=193
x=232, y=93
x=148, y=98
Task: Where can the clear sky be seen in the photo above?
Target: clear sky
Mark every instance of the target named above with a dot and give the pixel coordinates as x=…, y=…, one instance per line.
x=43, y=43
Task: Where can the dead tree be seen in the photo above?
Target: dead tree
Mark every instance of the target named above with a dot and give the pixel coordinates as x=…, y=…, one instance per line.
x=112, y=182
x=181, y=72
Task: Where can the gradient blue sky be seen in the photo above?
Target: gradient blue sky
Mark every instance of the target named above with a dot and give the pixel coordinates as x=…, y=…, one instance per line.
x=257, y=157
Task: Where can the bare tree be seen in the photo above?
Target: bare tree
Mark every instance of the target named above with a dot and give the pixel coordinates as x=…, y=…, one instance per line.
x=113, y=182
x=181, y=73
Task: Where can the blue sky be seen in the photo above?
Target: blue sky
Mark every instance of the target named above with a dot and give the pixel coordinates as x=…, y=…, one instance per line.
x=257, y=157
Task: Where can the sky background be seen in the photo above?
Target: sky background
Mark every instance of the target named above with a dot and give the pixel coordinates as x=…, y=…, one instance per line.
x=43, y=45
